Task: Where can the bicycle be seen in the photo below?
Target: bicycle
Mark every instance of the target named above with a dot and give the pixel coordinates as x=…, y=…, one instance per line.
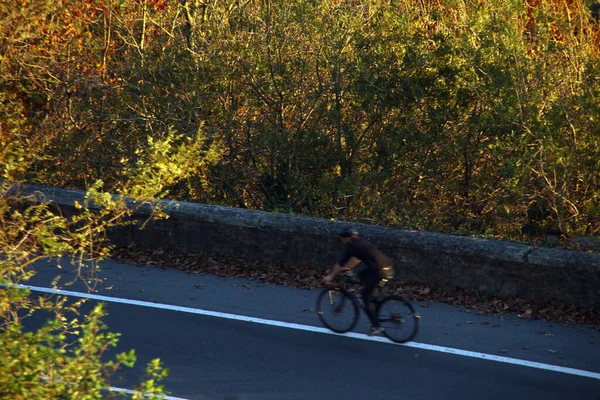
x=338, y=309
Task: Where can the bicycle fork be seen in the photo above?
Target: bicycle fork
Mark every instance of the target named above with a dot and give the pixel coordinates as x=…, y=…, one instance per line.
x=340, y=304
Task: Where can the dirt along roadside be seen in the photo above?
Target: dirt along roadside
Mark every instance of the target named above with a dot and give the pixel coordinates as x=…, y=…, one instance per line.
x=306, y=278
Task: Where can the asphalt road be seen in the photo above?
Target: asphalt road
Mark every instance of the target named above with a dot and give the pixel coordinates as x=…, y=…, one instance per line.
x=240, y=339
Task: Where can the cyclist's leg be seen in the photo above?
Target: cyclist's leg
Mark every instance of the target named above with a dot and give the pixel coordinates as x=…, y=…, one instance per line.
x=370, y=279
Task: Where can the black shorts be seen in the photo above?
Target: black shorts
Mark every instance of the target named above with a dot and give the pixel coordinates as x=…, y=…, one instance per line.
x=370, y=276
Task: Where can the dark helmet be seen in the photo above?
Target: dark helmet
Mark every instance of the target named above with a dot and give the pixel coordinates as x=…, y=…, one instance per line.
x=349, y=232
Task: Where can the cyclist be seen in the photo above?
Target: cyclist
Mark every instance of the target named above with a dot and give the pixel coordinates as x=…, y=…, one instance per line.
x=358, y=249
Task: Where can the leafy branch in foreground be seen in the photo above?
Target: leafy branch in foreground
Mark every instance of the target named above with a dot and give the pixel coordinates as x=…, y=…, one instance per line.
x=66, y=358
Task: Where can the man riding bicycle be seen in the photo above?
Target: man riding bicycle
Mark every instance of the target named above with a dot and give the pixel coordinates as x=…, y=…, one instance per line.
x=358, y=249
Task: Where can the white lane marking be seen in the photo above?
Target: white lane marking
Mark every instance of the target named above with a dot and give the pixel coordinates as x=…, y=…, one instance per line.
x=281, y=324
x=127, y=391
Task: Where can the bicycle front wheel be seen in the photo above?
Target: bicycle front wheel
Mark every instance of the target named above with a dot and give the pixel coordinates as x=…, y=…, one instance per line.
x=336, y=310
x=398, y=318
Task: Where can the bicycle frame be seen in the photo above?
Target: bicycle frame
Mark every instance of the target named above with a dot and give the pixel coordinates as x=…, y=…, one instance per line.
x=343, y=285
x=399, y=316
x=344, y=282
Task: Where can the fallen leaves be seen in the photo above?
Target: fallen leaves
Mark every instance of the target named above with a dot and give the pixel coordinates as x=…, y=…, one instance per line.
x=311, y=278
x=526, y=314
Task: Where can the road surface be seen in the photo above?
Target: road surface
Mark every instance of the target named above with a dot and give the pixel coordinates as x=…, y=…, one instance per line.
x=240, y=339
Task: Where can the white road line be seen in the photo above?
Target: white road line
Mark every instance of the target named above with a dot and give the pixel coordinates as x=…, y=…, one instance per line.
x=281, y=324
x=127, y=391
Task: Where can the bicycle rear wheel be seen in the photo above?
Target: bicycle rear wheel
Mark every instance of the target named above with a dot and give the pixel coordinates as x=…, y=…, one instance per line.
x=398, y=318
x=336, y=310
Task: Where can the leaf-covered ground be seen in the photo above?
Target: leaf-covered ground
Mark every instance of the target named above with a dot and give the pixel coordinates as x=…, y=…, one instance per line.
x=305, y=278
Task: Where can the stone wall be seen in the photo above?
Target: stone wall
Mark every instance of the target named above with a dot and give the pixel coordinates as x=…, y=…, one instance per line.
x=495, y=267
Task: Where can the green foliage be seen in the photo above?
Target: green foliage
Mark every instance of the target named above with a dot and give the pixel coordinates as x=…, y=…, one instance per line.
x=43, y=138
x=447, y=115
x=161, y=163
x=63, y=359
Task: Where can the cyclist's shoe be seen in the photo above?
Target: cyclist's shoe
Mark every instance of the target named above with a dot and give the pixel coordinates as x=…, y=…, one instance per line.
x=375, y=330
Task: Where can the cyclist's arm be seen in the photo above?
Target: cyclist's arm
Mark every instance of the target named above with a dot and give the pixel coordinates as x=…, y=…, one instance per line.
x=351, y=263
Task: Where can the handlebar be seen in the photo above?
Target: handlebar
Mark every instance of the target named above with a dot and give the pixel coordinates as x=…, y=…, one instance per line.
x=347, y=278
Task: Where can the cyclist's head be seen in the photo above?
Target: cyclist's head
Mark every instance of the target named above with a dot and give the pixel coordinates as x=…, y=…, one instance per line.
x=349, y=232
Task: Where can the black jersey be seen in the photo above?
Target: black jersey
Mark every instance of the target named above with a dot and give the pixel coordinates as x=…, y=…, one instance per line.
x=364, y=251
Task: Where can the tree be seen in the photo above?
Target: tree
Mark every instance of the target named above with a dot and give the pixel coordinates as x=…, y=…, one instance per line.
x=447, y=115
x=64, y=359
x=47, y=363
